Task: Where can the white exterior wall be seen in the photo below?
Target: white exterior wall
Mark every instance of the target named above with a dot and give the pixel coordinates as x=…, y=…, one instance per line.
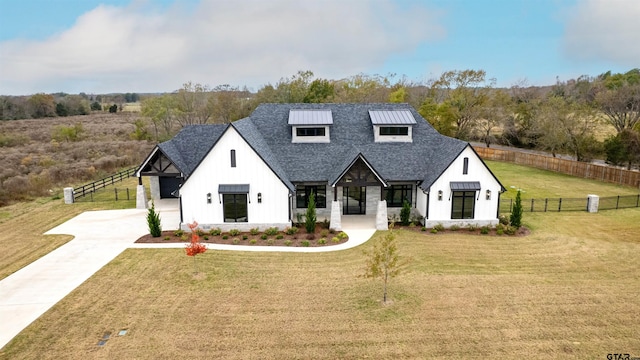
x=216, y=169
x=485, y=212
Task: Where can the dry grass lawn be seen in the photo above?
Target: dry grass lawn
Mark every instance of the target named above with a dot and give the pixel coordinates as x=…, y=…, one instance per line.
x=569, y=290
x=23, y=224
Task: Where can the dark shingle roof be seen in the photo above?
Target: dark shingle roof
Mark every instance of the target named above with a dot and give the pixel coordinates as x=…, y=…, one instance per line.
x=268, y=132
x=351, y=134
x=191, y=145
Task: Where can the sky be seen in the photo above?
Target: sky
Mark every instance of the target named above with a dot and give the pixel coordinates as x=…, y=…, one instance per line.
x=142, y=46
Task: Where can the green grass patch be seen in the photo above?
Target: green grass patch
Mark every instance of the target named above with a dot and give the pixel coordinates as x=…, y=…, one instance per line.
x=540, y=184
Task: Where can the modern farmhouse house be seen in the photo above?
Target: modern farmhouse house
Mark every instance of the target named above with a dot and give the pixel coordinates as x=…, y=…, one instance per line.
x=358, y=159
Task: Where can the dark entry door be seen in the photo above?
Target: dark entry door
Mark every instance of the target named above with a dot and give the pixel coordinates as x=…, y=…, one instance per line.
x=354, y=200
x=168, y=187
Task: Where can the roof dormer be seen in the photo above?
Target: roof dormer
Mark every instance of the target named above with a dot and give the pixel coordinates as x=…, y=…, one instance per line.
x=310, y=126
x=392, y=125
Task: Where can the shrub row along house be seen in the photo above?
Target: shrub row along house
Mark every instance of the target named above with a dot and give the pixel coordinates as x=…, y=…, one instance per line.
x=358, y=159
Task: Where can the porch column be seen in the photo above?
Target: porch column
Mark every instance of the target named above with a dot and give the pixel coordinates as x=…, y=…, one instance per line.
x=141, y=197
x=381, y=216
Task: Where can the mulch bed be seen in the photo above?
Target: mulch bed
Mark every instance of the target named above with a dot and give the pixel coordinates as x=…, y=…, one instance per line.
x=523, y=231
x=298, y=239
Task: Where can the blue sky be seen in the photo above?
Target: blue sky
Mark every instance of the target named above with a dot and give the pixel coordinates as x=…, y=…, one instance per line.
x=95, y=46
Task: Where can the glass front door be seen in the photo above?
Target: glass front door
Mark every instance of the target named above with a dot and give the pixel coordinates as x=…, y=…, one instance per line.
x=354, y=200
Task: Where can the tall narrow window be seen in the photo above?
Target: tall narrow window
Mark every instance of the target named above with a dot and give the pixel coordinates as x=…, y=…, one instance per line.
x=233, y=158
x=465, y=166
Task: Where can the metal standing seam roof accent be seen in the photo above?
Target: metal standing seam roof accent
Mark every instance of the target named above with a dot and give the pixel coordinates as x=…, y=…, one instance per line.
x=233, y=188
x=310, y=117
x=391, y=117
x=464, y=185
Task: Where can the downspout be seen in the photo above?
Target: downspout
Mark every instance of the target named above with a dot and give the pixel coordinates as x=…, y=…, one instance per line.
x=181, y=219
x=427, y=209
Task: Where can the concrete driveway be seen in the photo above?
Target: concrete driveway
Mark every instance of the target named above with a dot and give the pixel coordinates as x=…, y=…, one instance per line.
x=100, y=236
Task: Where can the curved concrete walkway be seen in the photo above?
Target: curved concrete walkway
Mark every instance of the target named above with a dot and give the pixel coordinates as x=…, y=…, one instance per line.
x=100, y=236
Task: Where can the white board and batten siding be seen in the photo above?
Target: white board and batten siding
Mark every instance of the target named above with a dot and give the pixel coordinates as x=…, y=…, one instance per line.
x=216, y=169
x=485, y=212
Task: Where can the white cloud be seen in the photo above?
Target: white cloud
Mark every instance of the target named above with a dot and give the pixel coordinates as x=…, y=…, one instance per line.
x=604, y=30
x=138, y=48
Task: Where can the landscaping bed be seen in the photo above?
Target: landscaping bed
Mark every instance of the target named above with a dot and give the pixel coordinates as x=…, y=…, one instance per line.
x=293, y=237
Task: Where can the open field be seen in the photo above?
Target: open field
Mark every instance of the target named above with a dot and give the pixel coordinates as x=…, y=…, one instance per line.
x=41, y=156
x=568, y=290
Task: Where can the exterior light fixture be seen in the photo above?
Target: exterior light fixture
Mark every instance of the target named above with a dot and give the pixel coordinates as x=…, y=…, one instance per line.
x=488, y=194
x=440, y=195
x=259, y=197
x=209, y=198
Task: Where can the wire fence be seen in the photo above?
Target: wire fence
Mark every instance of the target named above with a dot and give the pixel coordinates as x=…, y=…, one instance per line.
x=619, y=202
x=570, y=204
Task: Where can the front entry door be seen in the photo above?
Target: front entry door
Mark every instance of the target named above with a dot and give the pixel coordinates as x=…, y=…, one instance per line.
x=354, y=200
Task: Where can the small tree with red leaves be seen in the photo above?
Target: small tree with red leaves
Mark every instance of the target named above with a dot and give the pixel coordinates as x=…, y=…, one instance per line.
x=195, y=247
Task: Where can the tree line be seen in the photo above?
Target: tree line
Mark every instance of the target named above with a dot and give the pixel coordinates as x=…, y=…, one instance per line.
x=586, y=117
x=42, y=105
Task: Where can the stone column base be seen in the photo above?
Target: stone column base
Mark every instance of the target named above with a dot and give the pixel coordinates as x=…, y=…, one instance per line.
x=336, y=217
x=141, y=197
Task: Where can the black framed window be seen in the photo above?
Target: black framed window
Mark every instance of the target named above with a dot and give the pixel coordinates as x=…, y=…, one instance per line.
x=397, y=194
x=319, y=131
x=394, y=130
x=302, y=195
x=233, y=158
x=463, y=204
x=235, y=207
x=465, y=166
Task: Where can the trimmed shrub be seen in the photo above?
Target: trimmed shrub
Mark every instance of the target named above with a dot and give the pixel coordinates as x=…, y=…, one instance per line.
x=234, y=232
x=291, y=230
x=484, y=230
x=153, y=220
x=322, y=241
x=335, y=239
x=305, y=243
x=271, y=231
x=516, y=214
x=254, y=231
x=287, y=242
x=310, y=216
x=438, y=227
x=215, y=232
x=405, y=213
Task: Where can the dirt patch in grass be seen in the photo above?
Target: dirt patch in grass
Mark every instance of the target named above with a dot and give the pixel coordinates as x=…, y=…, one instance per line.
x=322, y=237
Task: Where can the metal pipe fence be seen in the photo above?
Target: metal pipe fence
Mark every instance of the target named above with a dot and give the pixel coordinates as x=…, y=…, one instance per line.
x=570, y=204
